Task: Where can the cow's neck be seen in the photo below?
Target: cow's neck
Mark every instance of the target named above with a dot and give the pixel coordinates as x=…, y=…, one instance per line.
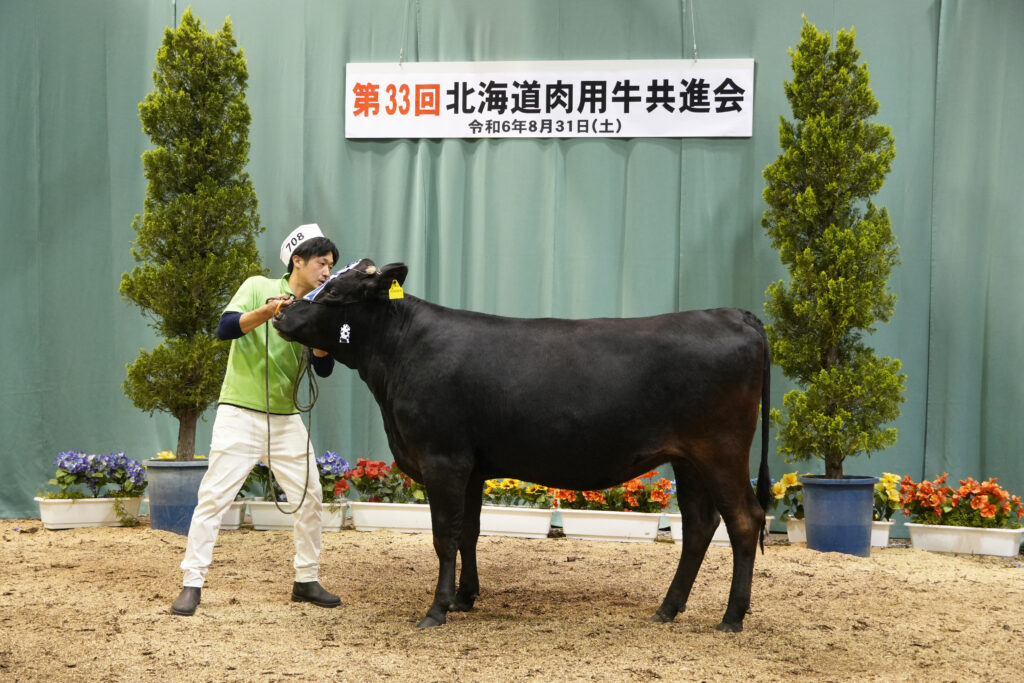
x=386, y=331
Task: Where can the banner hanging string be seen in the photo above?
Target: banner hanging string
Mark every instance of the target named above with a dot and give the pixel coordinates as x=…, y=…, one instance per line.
x=693, y=27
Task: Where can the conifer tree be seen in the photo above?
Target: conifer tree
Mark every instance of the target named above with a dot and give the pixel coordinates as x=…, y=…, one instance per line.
x=196, y=240
x=839, y=250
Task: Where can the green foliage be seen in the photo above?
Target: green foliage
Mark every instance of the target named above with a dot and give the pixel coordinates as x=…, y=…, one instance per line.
x=177, y=376
x=196, y=239
x=839, y=249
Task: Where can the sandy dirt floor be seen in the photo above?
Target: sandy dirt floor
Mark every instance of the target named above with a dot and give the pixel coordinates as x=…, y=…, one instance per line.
x=92, y=605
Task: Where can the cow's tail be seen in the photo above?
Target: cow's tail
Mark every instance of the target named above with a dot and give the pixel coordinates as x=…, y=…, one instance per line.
x=764, y=479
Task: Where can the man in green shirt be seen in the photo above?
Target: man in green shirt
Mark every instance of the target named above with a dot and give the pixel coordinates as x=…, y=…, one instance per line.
x=239, y=438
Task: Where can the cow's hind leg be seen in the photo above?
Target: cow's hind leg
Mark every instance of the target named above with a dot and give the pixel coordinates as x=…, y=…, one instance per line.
x=744, y=520
x=446, y=489
x=469, y=580
x=700, y=519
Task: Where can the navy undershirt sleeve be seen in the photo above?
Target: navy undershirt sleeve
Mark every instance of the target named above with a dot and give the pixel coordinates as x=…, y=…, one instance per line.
x=230, y=326
x=323, y=367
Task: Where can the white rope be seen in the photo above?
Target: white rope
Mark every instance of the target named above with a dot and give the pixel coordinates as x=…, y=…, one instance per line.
x=405, y=33
x=693, y=29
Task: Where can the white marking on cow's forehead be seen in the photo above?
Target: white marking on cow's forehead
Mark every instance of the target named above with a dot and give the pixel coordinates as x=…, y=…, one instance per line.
x=345, y=334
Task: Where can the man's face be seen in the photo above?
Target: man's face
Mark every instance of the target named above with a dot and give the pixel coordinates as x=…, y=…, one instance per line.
x=308, y=274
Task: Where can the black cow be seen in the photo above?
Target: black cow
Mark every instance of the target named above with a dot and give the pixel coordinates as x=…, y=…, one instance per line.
x=573, y=404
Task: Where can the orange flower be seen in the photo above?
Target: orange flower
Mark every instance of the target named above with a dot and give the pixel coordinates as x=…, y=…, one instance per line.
x=634, y=485
x=564, y=494
x=631, y=500
x=969, y=486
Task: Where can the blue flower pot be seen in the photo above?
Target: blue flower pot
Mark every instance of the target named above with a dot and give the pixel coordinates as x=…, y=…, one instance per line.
x=173, y=493
x=838, y=514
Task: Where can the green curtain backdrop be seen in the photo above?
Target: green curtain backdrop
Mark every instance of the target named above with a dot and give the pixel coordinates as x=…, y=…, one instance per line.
x=572, y=228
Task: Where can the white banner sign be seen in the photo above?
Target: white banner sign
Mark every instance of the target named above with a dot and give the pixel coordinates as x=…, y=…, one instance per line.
x=623, y=99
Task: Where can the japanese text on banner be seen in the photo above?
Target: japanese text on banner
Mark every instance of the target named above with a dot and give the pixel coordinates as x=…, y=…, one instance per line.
x=636, y=98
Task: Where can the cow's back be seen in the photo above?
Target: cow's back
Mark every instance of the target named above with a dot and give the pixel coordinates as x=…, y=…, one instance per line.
x=552, y=400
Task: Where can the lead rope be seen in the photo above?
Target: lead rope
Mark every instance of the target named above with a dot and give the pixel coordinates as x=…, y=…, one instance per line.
x=314, y=392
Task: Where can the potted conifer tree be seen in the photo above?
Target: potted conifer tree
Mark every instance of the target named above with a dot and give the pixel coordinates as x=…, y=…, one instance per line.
x=839, y=250
x=195, y=243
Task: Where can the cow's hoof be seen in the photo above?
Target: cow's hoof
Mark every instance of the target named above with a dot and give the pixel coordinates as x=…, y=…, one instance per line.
x=462, y=606
x=726, y=627
x=660, y=618
x=429, y=621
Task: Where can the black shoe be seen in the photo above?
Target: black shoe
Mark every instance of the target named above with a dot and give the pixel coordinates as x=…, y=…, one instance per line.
x=312, y=591
x=188, y=599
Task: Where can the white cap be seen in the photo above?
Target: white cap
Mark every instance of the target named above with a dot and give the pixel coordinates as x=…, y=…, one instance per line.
x=297, y=237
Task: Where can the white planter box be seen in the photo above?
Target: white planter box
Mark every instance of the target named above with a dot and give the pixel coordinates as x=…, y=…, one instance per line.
x=520, y=522
x=233, y=516
x=410, y=518
x=721, y=537
x=62, y=513
x=600, y=525
x=880, y=533
x=796, y=530
x=266, y=517
x=966, y=540
x=675, y=526
x=334, y=515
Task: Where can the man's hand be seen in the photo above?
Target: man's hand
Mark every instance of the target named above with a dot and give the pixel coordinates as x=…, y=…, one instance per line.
x=253, y=319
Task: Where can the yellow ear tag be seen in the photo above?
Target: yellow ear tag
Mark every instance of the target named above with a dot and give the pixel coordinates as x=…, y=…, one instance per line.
x=396, y=291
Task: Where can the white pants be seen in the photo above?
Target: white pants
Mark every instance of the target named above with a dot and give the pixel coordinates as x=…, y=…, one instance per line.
x=239, y=441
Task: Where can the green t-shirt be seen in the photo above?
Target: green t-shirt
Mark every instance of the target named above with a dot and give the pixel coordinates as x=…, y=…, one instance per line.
x=245, y=382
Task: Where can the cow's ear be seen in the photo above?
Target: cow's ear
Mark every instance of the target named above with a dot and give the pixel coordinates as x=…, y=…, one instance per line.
x=394, y=271
x=390, y=273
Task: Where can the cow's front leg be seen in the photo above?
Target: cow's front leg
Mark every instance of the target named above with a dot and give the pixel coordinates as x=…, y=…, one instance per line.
x=469, y=580
x=446, y=490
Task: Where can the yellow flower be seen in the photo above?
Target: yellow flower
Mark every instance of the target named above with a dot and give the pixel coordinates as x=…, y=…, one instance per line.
x=778, y=490
x=789, y=479
x=165, y=455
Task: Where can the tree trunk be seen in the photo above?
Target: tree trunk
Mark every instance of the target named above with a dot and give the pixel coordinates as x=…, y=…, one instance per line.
x=186, y=437
x=833, y=466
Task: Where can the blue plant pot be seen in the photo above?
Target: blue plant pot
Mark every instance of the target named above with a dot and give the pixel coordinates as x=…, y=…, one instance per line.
x=838, y=514
x=173, y=493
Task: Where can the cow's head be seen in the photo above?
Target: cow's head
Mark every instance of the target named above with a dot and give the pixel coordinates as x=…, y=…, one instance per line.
x=329, y=317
